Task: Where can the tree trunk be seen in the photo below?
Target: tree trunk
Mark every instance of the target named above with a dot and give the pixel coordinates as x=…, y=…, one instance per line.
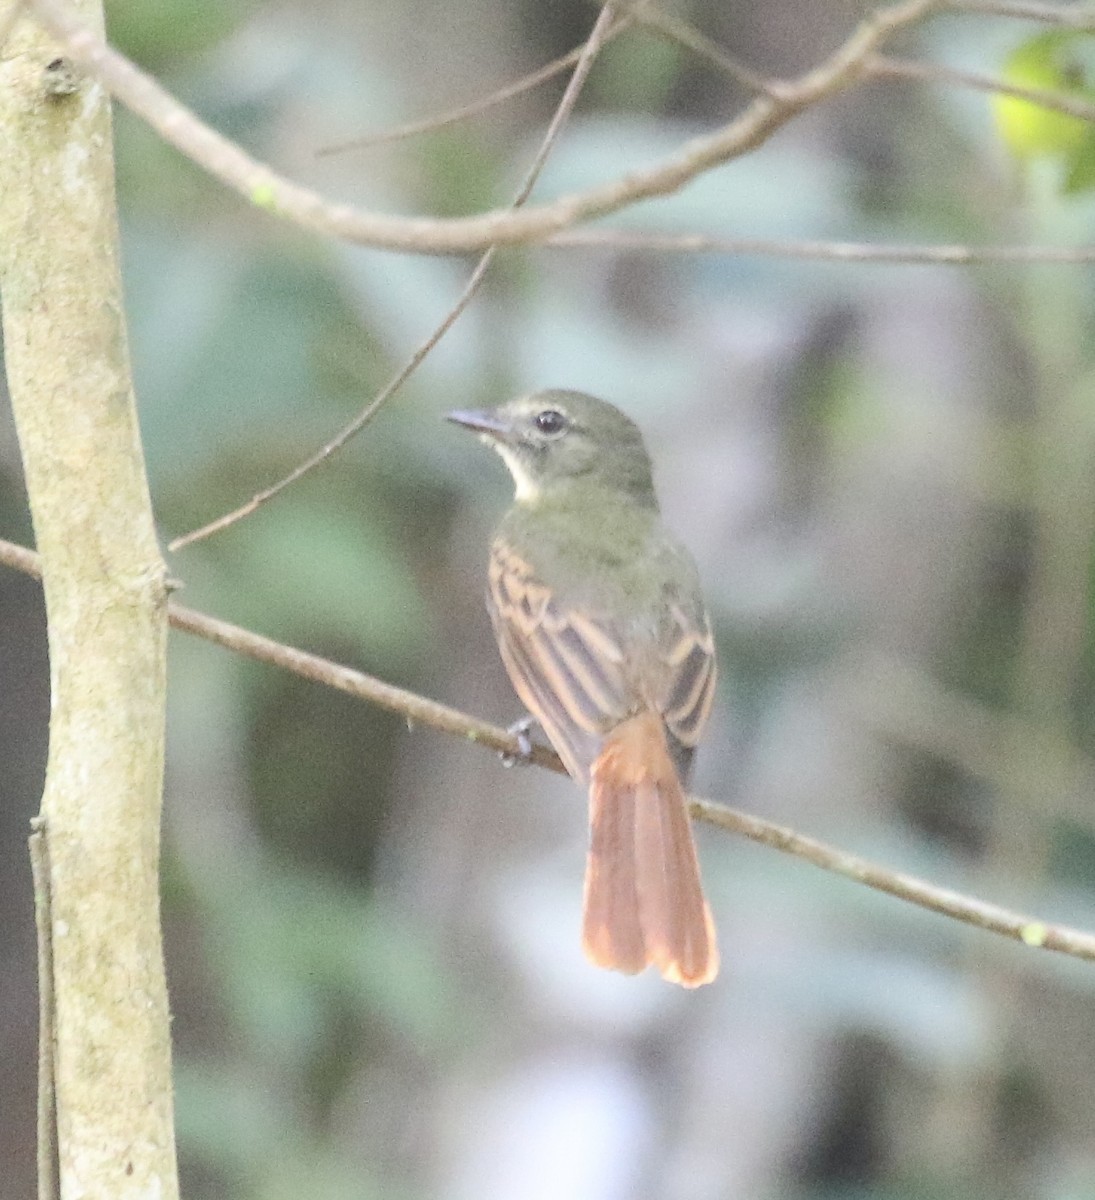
x=68, y=374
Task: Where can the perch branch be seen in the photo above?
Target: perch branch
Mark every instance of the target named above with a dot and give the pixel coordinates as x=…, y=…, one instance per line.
x=418, y=710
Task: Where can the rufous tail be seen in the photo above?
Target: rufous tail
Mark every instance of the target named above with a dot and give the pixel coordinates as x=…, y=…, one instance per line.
x=644, y=903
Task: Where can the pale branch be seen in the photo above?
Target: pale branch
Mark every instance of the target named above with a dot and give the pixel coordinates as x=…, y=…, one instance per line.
x=422, y=711
x=265, y=188
x=823, y=251
x=894, y=68
x=1072, y=16
x=601, y=29
x=473, y=109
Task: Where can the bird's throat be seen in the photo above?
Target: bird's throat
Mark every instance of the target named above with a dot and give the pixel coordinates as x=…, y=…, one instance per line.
x=527, y=489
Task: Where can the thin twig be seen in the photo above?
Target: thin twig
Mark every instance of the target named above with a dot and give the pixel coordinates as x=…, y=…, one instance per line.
x=883, y=66
x=418, y=709
x=851, y=252
x=1050, y=14
x=474, y=109
x=263, y=187
x=574, y=87
x=683, y=34
x=47, y=1094
x=354, y=427
x=590, y=50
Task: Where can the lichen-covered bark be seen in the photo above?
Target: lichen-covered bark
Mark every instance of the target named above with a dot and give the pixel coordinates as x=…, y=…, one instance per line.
x=68, y=373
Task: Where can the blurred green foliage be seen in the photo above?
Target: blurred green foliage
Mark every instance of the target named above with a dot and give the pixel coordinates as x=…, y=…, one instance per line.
x=253, y=343
x=1059, y=61
x=333, y=1028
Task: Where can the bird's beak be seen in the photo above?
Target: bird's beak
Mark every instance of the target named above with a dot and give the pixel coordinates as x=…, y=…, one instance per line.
x=480, y=421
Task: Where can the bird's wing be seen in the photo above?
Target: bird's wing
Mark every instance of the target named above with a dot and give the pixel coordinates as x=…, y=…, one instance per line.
x=577, y=673
x=686, y=649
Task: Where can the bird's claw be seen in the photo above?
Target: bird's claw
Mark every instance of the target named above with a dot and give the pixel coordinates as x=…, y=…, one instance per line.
x=520, y=730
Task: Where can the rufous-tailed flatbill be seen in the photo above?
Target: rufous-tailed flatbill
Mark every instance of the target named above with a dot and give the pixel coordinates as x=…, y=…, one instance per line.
x=602, y=628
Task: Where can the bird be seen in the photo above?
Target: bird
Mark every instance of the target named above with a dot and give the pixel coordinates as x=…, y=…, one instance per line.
x=603, y=631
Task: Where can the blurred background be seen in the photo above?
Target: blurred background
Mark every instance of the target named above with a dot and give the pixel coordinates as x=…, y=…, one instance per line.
x=885, y=473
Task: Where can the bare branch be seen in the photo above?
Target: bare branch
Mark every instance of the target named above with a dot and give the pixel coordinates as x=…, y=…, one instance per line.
x=599, y=33
x=624, y=240
x=675, y=30
x=948, y=903
x=1072, y=106
x=266, y=189
x=225, y=520
x=477, y=107
x=417, y=709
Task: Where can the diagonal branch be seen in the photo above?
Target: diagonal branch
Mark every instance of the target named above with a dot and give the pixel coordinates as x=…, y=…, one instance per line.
x=475, y=107
x=417, y=709
x=601, y=29
x=262, y=186
x=898, y=68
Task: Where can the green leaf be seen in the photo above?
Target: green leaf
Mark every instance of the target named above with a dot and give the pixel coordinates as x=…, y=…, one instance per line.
x=1057, y=62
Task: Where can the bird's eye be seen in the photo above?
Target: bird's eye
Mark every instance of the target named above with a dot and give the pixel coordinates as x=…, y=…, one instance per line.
x=551, y=422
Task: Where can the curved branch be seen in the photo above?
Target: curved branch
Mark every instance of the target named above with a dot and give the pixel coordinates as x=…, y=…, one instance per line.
x=417, y=709
x=305, y=207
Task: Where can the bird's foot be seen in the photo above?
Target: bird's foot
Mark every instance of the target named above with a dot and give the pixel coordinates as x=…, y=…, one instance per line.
x=520, y=730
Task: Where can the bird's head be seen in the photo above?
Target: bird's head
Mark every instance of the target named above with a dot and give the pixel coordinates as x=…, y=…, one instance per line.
x=549, y=440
